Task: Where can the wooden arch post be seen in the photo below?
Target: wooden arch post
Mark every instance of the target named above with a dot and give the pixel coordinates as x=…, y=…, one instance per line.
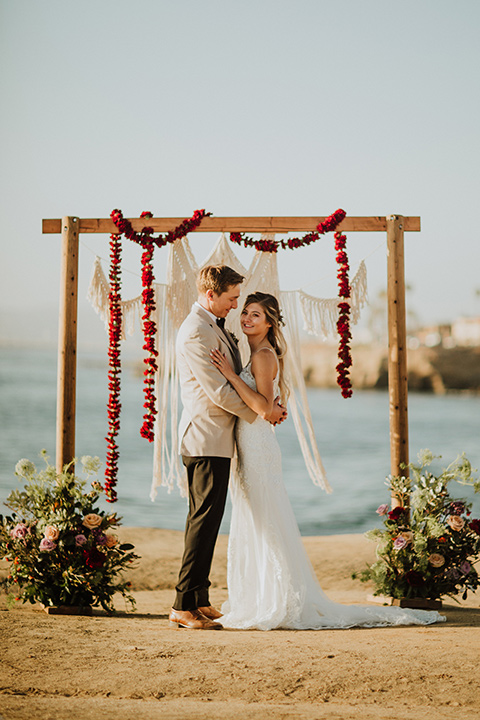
x=397, y=348
x=394, y=225
x=67, y=344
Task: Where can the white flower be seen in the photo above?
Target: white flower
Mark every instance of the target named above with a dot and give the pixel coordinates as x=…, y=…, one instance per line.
x=425, y=457
x=25, y=468
x=90, y=464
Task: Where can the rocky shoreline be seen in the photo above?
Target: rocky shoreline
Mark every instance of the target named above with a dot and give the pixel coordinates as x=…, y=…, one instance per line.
x=435, y=370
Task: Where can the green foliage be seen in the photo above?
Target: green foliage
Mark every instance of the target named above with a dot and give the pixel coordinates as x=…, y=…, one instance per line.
x=429, y=544
x=59, y=543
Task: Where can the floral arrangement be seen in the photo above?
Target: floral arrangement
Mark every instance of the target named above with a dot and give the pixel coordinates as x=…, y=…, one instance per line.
x=60, y=546
x=430, y=544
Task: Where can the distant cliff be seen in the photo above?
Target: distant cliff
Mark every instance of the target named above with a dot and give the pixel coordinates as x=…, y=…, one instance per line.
x=435, y=370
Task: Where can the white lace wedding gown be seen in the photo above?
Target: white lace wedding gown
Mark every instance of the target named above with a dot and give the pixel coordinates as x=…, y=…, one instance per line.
x=271, y=583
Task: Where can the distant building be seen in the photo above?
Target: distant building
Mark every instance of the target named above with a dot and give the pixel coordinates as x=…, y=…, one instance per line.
x=463, y=332
x=466, y=331
x=433, y=335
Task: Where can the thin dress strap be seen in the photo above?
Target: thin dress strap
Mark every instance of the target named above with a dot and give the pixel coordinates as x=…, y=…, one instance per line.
x=276, y=358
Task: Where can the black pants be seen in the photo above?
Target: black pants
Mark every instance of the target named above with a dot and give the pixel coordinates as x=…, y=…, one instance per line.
x=207, y=488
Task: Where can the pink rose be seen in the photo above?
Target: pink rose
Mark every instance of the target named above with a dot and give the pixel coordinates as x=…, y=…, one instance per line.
x=436, y=560
x=407, y=535
x=382, y=509
x=399, y=543
x=91, y=521
x=456, y=522
x=47, y=545
x=19, y=531
x=80, y=540
x=52, y=532
x=111, y=540
x=465, y=567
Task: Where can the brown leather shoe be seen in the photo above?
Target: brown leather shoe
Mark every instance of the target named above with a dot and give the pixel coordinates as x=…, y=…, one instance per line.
x=210, y=612
x=192, y=619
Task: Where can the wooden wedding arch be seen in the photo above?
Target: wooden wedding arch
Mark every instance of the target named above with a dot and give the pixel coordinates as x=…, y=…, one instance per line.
x=394, y=225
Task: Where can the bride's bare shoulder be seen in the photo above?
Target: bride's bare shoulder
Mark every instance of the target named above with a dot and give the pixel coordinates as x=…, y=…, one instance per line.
x=265, y=361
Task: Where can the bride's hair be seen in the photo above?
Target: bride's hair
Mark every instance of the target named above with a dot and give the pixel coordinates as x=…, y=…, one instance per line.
x=275, y=337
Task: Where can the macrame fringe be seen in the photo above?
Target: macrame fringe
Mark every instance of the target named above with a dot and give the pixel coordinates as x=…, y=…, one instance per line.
x=298, y=394
x=320, y=315
x=97, y=294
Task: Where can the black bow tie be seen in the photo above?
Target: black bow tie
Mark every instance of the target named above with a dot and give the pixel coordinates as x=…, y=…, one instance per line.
x=221, y=322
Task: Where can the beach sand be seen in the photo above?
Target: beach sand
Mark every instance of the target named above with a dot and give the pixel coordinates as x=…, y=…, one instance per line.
x=135, y=667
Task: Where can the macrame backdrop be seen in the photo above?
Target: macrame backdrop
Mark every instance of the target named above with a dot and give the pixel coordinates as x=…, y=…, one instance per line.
x=174, y=300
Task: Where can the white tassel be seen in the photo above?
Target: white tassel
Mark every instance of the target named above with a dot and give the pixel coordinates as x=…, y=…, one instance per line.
x=298, y=395
x=320, y=315
x=98, y=292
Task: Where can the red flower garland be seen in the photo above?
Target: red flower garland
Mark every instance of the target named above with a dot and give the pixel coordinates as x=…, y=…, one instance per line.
x=114, y=406
x=149, y=332
x=343, y=322
x=125, y=227
x=147, y=241
x=330, y=223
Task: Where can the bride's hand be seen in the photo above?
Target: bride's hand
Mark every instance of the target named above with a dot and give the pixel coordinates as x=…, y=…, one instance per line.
x=221, y=363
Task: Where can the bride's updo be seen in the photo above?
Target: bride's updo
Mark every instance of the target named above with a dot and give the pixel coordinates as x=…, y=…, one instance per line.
x=275, y=337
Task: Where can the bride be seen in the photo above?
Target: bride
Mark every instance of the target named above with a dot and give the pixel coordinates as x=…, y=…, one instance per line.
x=271, y=583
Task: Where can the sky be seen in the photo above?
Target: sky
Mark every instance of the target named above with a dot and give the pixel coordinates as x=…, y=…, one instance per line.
x=259, y=107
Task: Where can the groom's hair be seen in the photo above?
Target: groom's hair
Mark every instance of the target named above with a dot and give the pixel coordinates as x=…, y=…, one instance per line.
x=217, y=278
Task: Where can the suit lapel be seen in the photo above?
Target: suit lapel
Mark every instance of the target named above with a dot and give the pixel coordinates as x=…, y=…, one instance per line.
x=225, y=336
x=235, y=352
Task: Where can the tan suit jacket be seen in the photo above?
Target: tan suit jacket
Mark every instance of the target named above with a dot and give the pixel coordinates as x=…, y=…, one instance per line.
x=210, y=404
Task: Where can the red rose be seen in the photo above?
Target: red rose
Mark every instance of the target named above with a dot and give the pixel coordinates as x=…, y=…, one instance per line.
x=475, y=526
x=414, y=578
x=397, y=513
x=94, y=559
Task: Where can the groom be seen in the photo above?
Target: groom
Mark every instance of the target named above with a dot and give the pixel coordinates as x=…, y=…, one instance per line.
x=206, y=435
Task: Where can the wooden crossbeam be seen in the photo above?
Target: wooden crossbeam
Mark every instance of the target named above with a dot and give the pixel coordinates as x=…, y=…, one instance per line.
x=236, y=224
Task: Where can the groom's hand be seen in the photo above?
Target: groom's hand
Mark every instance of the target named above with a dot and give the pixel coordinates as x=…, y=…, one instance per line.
x=279, y=412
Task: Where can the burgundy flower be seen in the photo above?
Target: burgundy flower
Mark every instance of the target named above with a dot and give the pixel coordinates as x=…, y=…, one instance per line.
x=456, y=508
x=397, y=513
x=94, y=559
x=414, y=578
x=474, y=525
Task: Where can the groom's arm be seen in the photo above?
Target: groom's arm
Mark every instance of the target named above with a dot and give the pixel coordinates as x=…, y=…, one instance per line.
x=196, y=353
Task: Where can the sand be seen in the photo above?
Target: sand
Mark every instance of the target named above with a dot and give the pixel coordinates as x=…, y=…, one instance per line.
x=134, y=666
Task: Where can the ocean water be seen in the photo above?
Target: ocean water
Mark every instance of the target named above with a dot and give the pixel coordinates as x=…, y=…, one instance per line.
x=352, y=435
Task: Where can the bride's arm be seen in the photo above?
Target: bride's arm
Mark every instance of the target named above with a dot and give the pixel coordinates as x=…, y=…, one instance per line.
x=264, y=369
